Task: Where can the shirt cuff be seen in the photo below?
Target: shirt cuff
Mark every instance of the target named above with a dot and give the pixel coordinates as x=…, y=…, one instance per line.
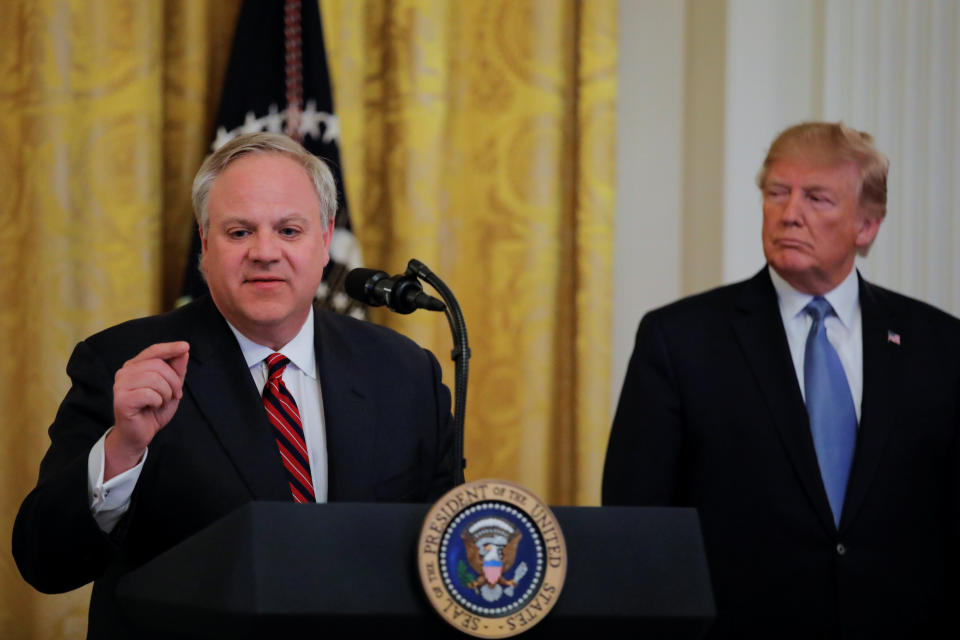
x=109, y=500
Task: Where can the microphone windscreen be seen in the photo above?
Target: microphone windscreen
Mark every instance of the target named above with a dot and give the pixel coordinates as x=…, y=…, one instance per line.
x=359, y=280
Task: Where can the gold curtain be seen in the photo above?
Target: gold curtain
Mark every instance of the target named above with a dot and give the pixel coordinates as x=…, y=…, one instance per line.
x=105, y=113
x=477, y=136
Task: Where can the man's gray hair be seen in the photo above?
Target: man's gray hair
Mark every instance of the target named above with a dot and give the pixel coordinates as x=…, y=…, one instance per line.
x=316, y=169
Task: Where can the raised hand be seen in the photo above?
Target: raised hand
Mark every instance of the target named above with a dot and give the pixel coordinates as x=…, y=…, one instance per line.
x=146, y=393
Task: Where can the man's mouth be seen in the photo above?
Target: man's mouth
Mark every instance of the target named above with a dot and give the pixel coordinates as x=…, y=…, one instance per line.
x=791, y=243
x=264, y=280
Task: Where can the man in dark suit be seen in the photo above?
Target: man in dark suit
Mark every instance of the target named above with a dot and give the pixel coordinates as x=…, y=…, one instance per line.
x=817, y=440
x=174, y=421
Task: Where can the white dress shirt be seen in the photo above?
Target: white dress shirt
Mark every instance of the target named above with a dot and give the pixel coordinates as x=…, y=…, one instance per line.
x=110, y=500
x=844, y=330
x=300, y=378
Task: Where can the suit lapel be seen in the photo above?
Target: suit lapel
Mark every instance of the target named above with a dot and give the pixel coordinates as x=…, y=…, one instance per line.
x=882, y=371
x=220, y=384
x=759, y=328
x=348, y=418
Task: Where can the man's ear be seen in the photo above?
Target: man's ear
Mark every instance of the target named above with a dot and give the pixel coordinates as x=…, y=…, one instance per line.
x=327, y=239
x=869, y=226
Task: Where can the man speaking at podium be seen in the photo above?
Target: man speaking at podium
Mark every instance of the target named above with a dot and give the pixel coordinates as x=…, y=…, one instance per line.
x=811, y=418
x=174, y=421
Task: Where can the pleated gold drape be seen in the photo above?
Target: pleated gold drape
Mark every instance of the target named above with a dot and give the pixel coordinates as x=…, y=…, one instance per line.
x=104, y=116
x=477, y=136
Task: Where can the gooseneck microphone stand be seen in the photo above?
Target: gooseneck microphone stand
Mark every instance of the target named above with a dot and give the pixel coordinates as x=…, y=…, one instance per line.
x=460, y=354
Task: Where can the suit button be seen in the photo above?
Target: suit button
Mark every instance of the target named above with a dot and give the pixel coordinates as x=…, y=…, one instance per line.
x=841, y=550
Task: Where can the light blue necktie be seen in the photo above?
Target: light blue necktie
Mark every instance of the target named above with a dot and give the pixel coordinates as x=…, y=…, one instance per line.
x=833, y=418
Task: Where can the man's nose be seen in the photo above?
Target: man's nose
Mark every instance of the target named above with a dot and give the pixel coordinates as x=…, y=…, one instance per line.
x=264, y=248
x=793, y=209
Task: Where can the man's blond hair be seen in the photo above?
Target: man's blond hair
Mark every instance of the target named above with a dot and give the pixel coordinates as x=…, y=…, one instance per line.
x=834, y=143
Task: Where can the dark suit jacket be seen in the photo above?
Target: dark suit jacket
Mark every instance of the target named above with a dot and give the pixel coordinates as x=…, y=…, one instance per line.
x=388, y=430
x=711, y=416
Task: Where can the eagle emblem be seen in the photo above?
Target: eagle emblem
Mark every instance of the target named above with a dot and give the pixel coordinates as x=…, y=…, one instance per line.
x=491, y=548
x=492, y=558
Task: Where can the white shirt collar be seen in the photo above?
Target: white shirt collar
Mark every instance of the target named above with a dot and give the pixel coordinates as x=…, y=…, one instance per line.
x=845, y=298
x=300, y=350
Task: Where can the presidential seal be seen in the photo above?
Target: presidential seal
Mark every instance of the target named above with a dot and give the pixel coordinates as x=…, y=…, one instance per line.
x=492, y=558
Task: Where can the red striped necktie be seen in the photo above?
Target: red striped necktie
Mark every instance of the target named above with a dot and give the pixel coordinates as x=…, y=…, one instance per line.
x=285, y=418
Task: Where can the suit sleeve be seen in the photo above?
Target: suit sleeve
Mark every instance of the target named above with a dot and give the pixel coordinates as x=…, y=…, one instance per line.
x=57, y=544
x=644, y=455
x=445, y=475
x=953, y=542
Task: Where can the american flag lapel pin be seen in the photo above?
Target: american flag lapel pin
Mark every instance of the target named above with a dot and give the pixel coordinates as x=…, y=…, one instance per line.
x=894, y=337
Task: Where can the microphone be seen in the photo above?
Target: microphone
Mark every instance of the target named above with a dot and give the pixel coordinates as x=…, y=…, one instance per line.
x=401, y=293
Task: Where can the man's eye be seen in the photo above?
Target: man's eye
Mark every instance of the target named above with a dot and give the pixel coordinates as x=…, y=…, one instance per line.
x=289, y=231
x=238, y=233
